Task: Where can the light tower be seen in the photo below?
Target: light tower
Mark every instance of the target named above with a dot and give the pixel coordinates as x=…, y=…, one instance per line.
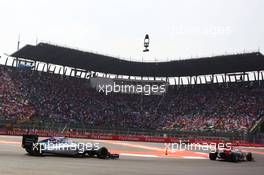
x=146, y=43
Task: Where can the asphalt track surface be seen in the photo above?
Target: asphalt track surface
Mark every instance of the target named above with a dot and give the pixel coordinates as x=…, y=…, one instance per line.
x=136, y=158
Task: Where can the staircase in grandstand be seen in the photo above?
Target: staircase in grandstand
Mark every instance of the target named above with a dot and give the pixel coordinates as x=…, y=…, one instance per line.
x=257, y=125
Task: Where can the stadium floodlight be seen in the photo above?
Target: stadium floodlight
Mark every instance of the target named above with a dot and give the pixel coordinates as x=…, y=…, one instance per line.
x=146, y=43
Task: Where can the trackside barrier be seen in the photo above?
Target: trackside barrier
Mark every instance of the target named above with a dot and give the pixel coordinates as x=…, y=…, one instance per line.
x=126, y=138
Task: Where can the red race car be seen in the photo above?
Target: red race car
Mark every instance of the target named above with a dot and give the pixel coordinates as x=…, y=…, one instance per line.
x=231, y=155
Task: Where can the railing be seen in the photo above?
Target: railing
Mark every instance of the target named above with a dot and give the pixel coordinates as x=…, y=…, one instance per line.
x=62, y=127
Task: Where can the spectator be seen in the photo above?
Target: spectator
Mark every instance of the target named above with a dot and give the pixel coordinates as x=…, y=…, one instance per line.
x=31, y=95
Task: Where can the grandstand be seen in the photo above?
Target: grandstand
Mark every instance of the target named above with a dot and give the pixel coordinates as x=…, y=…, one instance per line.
x=47, y=87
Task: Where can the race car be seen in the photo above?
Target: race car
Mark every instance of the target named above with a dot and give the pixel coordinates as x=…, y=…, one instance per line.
x=64, y=147
x=231, y=155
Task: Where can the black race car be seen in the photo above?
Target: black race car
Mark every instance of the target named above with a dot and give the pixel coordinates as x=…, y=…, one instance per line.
x=231, y=155
x=64, y=147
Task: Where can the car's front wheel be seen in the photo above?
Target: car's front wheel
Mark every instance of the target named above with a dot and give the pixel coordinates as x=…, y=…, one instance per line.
x=249, y=157
x=103, y=153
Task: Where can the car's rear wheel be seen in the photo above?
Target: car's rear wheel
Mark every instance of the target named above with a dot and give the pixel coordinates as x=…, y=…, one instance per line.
x=28, y=150
x=213, y=156
x=35, y=150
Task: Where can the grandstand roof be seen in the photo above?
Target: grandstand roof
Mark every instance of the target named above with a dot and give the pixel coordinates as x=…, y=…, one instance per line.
x=100, y=63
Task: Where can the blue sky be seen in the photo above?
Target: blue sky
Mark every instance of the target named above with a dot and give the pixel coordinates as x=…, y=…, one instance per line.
x=177, y=28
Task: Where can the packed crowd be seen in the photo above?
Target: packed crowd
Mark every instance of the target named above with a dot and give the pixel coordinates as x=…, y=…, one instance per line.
x=13, y=105
x=31, y=95
x=231, y=108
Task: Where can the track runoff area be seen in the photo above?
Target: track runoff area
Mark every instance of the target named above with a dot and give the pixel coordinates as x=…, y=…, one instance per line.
x=135, y=158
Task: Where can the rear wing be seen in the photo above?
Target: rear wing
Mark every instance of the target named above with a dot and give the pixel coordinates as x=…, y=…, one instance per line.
x=29, y=140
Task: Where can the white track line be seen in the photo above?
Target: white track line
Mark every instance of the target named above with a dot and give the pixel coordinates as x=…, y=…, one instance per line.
x=138, y=155
x=133, y=145
x=9, y=142
x=192, y=157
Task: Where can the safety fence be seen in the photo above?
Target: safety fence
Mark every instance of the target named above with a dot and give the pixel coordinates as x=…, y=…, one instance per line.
x=138, y=138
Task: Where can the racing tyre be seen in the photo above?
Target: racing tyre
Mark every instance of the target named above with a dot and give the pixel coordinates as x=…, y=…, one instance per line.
x=249, y=157
x=103, y=153
x=213, y=156
x=28, y=150
x=38, y=151
x=35, y=151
